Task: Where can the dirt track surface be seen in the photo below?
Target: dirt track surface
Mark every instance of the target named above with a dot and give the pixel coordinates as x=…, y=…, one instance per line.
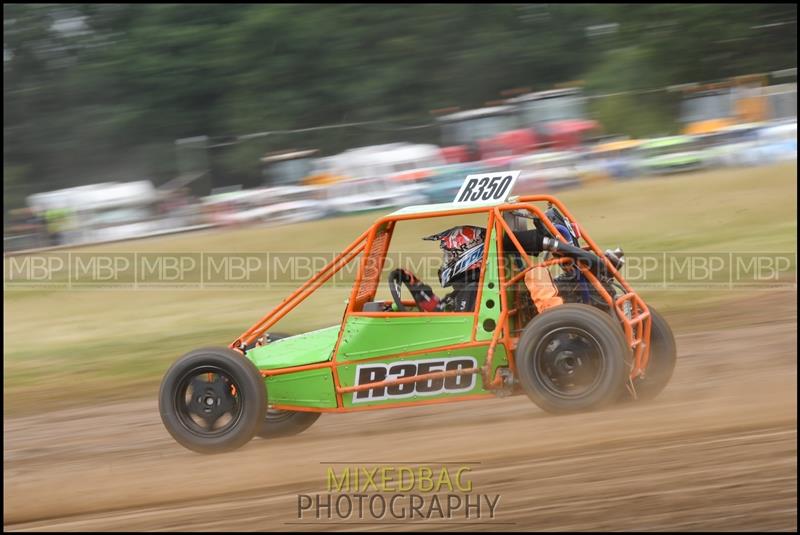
x=716, y=451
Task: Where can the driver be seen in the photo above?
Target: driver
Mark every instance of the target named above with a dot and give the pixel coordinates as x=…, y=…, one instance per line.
x=462, y=249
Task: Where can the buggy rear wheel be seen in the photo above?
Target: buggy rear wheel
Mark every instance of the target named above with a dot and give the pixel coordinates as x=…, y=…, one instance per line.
x=661, y=363
x=212, y=400
x=572, y=358
x=282, y=423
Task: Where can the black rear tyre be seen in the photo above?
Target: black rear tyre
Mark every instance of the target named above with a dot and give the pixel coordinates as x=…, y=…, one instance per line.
x=212, y=400
x=661, y=363
x=281, y=423
x=572, y=358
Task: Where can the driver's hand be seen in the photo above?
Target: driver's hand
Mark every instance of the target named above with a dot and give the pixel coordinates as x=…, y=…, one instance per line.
x=406, y=276
x=401, y=274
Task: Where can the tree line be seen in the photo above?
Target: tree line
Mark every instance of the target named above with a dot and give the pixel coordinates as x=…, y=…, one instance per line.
x=96, y=92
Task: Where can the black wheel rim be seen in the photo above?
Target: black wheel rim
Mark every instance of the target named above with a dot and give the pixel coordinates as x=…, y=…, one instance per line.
x=208, y=401
x=569, y=362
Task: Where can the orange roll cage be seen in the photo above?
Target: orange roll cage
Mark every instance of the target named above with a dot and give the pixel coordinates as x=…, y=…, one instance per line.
x=374, y=244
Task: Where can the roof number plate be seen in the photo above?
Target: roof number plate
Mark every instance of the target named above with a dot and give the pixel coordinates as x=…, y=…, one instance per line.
x=486, y=188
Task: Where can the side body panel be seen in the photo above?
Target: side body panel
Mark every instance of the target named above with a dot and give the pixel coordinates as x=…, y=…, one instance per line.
x=309, y=388
x=368, y=337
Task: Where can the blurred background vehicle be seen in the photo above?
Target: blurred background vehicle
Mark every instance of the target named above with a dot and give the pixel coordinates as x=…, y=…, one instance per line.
x=746, y=99
x=483, y=133
x=355, y=196
x=445, y=181
x=288, y=168
x=672, y=154
x=279, y=205
x=610, y=159
x=110, y=211
x=779, y=141
x=734, y=145
x=557, y=116
x=219, y=207
x=547, y=171
x=396, y=160
x=297, y=167
x=708, y=108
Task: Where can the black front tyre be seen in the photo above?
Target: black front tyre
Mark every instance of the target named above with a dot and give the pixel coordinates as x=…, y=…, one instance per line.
x=572, y=358
x=212, y=400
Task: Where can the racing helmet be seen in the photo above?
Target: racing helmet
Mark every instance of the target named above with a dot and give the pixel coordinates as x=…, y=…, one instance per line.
x=462, y=249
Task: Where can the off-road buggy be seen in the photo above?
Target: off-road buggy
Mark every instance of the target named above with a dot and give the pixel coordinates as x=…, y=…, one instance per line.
x=553, y=319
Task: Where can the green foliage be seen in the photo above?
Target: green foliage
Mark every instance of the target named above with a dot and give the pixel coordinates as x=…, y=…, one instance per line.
x=104, y=96
x=635, y=114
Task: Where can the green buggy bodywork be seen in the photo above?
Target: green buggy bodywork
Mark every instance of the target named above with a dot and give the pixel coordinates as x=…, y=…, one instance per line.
x=671, y=154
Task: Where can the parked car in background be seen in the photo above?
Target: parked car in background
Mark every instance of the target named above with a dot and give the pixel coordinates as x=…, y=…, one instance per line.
x=353, y=196
x=610, y=160
x=398, y=161
x=734, y=146
x=281, y=205
x=547, y=171
x=709, y=108
x=779, y=140
x=483, y=133
x=445, y=181
x=220, y=205
x=672, y=154
x=106, y=211
x=557, y=117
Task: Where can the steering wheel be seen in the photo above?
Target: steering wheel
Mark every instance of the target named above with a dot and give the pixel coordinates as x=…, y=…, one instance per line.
x=396, y=287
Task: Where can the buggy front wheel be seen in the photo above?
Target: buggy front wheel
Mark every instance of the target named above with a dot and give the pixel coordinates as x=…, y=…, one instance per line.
x=212, y=400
